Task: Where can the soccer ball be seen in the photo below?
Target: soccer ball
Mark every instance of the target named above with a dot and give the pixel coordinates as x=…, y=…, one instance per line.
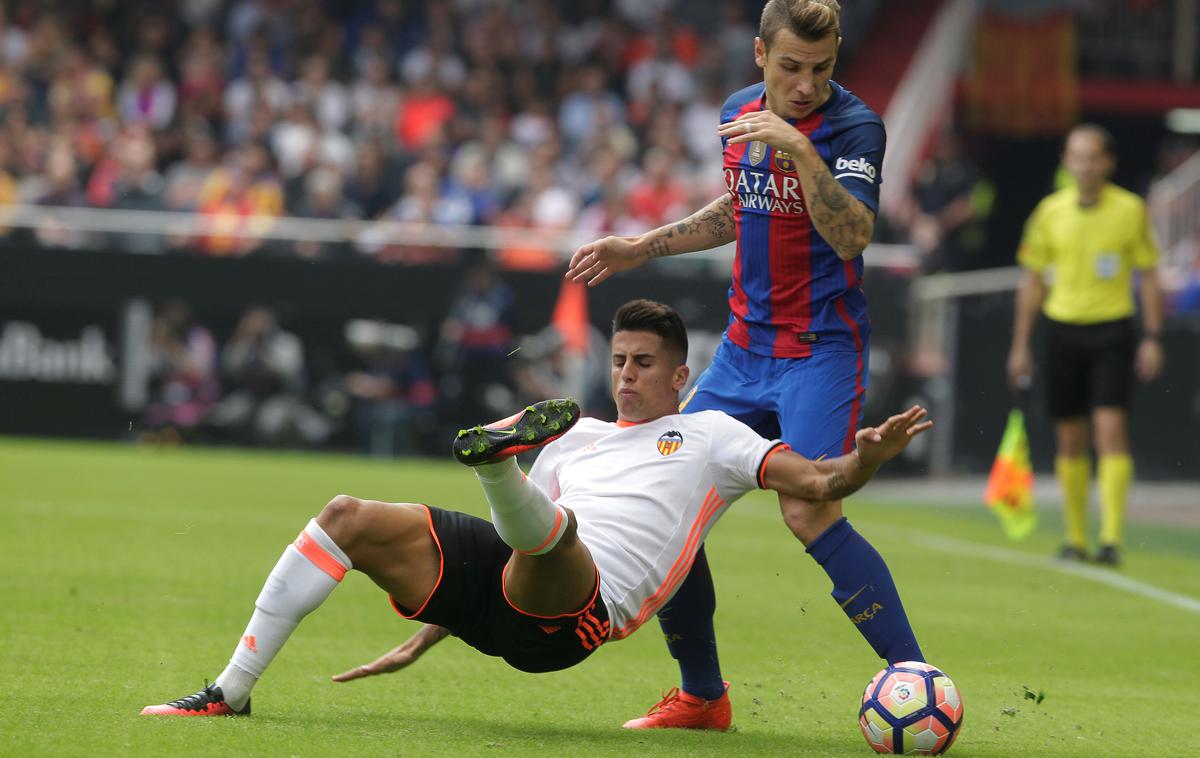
x=911, y=708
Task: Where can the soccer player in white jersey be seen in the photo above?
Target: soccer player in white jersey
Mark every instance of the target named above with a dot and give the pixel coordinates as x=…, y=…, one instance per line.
x=584, y=550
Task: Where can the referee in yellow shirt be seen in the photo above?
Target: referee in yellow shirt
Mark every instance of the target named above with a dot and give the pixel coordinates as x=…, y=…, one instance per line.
x=1080, y=250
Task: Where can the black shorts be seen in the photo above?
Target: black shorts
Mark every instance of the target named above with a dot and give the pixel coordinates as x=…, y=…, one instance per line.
x=469, y=600
x=1089, y=365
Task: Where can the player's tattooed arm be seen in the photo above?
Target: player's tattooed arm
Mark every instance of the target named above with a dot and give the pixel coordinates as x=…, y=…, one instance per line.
x=834, y=479
x=824, y=480
x=839, y=217
x=848, y=476
x=708, y=227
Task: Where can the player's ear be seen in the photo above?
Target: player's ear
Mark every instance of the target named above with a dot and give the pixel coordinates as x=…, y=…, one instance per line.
x=680, y=377
x=760, y=52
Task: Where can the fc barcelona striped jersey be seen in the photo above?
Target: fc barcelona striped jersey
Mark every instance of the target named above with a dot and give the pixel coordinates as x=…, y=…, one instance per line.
x=791, y=296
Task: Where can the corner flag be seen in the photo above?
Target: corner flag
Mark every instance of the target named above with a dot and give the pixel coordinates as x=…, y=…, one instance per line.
x=1009, y=490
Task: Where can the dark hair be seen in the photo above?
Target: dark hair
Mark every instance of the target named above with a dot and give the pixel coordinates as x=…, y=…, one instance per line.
x=1107, y=142
x=810, y=20
x=656, y=318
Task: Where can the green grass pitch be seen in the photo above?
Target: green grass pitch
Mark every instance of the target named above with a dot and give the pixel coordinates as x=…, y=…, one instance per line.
x=130, y=572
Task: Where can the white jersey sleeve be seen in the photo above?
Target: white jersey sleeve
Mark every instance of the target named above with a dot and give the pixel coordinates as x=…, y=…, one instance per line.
x=738, y=456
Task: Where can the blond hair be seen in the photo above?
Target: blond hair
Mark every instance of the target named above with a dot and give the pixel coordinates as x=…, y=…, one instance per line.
x=810, y=20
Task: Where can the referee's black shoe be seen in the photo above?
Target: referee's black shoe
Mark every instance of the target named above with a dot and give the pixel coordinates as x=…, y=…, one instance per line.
x=1108, y=555
x=533, y=427
x=1072, y=553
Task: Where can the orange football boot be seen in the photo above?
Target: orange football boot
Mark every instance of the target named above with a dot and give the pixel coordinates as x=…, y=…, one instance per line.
x=679, y=710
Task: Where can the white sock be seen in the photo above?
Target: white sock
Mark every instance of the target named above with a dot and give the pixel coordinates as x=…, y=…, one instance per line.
x=525, y=518
x=306, y=573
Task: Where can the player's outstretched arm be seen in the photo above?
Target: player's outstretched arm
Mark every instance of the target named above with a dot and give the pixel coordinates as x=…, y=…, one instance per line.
x=400, y=657
x=709, y=227
x=797, y=476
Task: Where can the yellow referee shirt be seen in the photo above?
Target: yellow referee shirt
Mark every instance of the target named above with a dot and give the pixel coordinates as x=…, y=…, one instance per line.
x=1091, y=253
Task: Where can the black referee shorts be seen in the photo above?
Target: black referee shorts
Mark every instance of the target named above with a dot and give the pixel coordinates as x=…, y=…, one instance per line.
x=1089, y=365
x=469, y=600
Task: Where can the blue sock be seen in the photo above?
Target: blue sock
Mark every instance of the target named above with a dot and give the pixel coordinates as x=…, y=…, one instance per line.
x=687, y=624
x=863, y=587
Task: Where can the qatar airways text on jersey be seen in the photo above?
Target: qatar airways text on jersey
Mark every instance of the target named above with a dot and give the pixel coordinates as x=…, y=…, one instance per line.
x=765, y=190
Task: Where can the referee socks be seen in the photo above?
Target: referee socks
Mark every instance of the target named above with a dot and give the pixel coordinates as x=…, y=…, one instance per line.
x=1114, y=473
x=1074, y=476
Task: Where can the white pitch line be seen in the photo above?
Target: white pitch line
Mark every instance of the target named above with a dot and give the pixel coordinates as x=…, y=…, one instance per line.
x=1092, y=573
x=1018, y=558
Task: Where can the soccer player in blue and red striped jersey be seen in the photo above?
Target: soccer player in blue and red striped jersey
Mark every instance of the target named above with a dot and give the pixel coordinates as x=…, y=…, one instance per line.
x=802, y=158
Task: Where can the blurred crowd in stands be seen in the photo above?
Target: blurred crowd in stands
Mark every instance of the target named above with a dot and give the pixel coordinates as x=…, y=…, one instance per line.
x=598, y=115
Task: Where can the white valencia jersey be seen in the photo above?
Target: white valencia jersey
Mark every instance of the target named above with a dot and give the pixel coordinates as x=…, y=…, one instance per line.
x=646, y=496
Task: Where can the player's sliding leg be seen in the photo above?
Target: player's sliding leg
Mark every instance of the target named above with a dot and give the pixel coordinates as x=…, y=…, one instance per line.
x=525, y=518
x=702, y=700
x=561, y=581
x=1114, y=472
x=391, y=543
x=303, y=578
x=1073, y=471
x=551, y=571
x=862, y=583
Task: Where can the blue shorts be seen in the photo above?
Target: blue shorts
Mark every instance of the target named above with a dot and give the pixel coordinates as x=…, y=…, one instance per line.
x=813, y=404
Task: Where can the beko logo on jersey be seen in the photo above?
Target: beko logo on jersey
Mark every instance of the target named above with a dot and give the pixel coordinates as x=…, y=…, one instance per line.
x=765, y=191
x=859, y=168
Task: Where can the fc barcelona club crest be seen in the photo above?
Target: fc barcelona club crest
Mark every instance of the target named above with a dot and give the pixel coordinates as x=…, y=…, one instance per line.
x=758, y=151
x=670, y=442
x=784, y=162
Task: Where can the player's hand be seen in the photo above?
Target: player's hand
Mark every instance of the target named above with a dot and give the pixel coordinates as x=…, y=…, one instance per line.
x=597, y=261
x=765, y=126
x=884, y=442
x=1020, y=368
x=397, y=658
x=1149, y=360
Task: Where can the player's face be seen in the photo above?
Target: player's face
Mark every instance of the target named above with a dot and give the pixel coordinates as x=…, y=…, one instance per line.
x=796, y=71
x=1086, y=160
x=646, y=379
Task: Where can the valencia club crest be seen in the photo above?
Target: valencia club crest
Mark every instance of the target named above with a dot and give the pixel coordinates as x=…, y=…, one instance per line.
x=670, y=442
